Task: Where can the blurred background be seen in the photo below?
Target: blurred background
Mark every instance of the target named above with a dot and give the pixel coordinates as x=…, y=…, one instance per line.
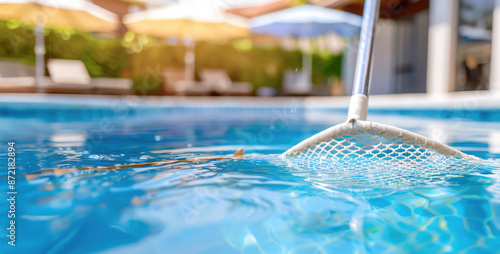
x=244, y=47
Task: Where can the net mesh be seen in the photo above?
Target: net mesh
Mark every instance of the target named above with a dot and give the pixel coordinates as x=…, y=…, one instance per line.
x=383, y=153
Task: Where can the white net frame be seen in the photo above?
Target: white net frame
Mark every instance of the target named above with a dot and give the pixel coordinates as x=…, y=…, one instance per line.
x=368, y=154
x=364, y=140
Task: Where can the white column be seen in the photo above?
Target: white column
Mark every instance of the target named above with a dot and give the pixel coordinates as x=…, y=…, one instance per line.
x=306, y=73
x=40, y=57
x=441, y=60
x=495, y=51
x=189, y=59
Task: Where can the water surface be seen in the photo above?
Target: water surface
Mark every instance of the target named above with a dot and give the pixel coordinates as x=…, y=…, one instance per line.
x=258, y=203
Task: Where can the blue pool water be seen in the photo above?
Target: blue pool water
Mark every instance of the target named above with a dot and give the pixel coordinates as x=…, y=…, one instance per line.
x=257, y=204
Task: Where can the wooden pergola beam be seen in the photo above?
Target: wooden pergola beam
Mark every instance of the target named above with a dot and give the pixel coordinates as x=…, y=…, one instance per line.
x=389, y=9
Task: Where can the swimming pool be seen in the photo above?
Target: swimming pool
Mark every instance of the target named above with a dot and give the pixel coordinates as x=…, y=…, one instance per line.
x=256, y=204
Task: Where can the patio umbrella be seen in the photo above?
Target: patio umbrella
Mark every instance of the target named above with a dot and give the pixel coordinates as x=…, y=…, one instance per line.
x=190, y=23
x=76, y=14
x=306, y=21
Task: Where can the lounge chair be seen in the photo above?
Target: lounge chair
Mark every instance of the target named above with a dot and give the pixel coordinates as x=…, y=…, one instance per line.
x=220, y=82
x=116, y=86
x=16, y=77
x=71, y=76
x=296, y=83
x=174, y=82
x=68, y=76
x=266, y=91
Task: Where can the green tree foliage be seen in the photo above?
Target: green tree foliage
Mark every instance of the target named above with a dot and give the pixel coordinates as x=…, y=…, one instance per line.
x=17, y=41
x=143, y=59
x=103, y=57
x=261, y=66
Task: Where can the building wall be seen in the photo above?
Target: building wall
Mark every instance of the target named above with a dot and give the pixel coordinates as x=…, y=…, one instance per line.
x=384, y=58
x=411, y=41
x=399, y=55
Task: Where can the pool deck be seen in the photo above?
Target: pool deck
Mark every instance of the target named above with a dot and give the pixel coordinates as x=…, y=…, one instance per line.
x=458, y=100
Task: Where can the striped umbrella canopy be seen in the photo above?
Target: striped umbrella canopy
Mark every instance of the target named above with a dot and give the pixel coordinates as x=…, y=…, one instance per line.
x=75, y=14
x=196, y=22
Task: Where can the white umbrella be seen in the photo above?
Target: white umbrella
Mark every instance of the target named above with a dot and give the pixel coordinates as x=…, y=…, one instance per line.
x=76, y=14
x=190, y=23
x=306, y=21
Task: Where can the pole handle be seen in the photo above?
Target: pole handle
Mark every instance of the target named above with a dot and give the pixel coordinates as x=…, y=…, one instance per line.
x=358, y=106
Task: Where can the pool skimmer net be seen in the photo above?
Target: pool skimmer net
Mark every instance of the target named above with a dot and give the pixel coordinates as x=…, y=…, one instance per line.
x=360, y=144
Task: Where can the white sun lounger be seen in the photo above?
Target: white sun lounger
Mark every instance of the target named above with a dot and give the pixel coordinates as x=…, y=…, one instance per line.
x=220, y=82
x=174, y=82
x=71, y=76
x=16, y=77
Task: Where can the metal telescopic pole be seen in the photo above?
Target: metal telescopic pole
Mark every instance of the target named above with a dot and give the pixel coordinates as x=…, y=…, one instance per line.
x=358, y=106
